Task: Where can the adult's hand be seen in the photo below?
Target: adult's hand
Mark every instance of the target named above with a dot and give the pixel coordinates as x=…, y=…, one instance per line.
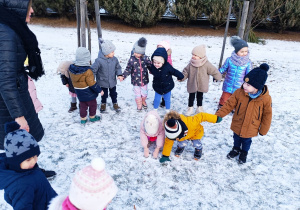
x=23, y=123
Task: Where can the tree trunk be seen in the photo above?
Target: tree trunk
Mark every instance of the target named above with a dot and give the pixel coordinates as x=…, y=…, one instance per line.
x=249, y=20
x=88, y=28
x=78, y=22
x=82, y=18
x=98, y=21
x=243, y=19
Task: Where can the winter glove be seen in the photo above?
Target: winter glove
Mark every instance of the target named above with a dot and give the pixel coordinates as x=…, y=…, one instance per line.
x=219, y=119
x=164, y=159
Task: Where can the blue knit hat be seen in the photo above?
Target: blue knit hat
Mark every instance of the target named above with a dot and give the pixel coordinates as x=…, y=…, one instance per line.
x=19, y=145
x=257, y=77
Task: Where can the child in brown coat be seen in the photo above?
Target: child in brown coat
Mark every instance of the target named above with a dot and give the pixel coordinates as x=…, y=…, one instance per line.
x=253, y=114
x=197, y=72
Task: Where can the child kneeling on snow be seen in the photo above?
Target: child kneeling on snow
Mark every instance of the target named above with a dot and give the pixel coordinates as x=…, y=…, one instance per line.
x=92, y=188
x=25, y=185
x=152, y=130
x=181, y=128
x=253, y=114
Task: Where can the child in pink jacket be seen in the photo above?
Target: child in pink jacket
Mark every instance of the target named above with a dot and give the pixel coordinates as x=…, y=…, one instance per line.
x=152, y=130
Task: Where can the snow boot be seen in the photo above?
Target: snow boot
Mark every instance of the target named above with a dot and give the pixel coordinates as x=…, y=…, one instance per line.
x=219, y=107
x=139, y=103
x=197, y=154
x=103, y=107
x=73, y=107
x=155, y=153
x=179, y=151
x=162, y=103
x=116, y=107
x=190, y=111
x=144, y=104
x=233, y=153
x=199, y=109
x=83, y=121
x=243, y=157
x=146, y=152
x=95, y=118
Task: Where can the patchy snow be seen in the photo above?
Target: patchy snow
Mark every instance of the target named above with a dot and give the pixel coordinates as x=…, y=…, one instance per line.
x=269, y=180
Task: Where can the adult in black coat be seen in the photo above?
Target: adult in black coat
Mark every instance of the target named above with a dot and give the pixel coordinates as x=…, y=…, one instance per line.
x=17, y=42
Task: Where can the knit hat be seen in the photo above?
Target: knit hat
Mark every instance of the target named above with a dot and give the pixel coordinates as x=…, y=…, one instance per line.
x=238, y=43
x=19, y=145
x=83, y=57
x=257, y=77
x=92, y=188
x=199, y=51
x=159, y=59
x=107, y=46
x=165, y=44
x=151, y=124
x=140, y=46
x=174, y=133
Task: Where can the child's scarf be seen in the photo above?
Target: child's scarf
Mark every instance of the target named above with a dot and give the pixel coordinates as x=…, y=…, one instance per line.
x=239, y=60
x=255, y=95
x=199, y=62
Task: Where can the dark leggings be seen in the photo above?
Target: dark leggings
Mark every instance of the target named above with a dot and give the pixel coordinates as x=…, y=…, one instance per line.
x=192, y=98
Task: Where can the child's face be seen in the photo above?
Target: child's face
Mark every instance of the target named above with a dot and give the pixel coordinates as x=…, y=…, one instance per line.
x=157, y=64
x=249, y=88
x=243, y=52
x=137, y=55
x=110, y=55
x=29, y=163
x=195, y=57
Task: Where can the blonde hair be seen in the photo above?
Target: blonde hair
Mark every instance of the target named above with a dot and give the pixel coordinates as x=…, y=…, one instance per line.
x=171, y=115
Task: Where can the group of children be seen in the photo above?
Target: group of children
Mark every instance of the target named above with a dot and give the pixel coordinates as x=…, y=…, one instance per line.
x=244, y=91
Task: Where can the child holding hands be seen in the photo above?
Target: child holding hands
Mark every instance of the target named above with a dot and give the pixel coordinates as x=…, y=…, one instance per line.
x=197, y=73
x=253, y=114
x=235, y=67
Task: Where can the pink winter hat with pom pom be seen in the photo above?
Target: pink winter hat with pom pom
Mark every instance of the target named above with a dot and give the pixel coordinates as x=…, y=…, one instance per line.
x=165, y=44
x=92, y=187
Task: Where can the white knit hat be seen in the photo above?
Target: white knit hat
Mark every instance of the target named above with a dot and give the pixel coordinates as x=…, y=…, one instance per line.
x=172, y=133
x=151, y=124
x=92, y=187
x=83, y=57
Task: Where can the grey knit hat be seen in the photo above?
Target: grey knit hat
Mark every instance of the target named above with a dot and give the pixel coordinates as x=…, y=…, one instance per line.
x=140, y=46
x=238, y=43
x=19, y=145
x=83, y=57
x=107, y=46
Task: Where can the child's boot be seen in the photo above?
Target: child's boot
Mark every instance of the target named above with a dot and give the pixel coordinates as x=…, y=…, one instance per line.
x=146, y=152
x=179, y=151
x=144, y=104
x=73, y=107
x=116, y=107
x=155, y=153
x=197, y=154
x=234, y=152
x=95, y=118
x=243, y=157
x=83, y=121
x=162, y=103
x=199, y=109
x=139, y=103
x=190, y=111
x=103, y=107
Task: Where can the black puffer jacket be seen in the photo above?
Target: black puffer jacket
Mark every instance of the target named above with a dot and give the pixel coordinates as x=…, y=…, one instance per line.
x=162, y=77
x=15, y=100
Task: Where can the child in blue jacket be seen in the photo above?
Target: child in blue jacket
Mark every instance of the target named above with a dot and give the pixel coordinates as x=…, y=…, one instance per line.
x=162, y=73
x=25, y=185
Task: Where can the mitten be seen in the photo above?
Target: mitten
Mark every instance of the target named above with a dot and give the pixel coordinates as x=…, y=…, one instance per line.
x=219, y=119
x=164, y=159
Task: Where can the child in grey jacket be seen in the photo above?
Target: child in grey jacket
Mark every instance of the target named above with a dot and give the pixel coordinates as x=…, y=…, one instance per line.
x=107, y=69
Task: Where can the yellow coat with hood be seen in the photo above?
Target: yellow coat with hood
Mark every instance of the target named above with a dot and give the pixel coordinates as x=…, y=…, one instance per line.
x=195, y=129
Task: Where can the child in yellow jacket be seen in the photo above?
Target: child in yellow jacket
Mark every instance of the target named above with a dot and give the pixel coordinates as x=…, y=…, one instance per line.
x=181, y=128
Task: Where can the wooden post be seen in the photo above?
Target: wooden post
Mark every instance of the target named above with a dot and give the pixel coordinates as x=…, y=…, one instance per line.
x=82, y=20
x=78, y=22
x=88, y=28
x=97, y=14
x=225, y=35
x=249, y=20
x=243, y=19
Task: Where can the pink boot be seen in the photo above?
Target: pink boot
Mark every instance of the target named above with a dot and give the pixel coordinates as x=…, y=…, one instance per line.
x=155, y=153
x=146, y=152
x=139, y=103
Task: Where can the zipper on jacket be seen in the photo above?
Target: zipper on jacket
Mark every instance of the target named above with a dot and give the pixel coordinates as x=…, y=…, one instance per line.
x=141, y=71
x=237, y=113
x=258, y=112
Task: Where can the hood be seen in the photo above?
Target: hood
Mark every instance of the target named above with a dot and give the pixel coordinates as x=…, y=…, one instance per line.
x=19, y=7
x=153, y=112
x=78, y=69
x=160, y=52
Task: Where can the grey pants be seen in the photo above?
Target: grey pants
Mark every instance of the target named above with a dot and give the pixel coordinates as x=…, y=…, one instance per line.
x=196, y=143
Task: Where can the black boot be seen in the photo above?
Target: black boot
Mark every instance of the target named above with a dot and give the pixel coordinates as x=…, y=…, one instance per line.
x=72, y=108
x=162, y=103
x=48, y=174
x=243, y=157
x=233, y=153
x=197, y=154
x=179, y=151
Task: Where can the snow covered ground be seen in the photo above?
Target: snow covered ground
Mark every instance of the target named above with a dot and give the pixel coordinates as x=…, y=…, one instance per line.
x=269, y=180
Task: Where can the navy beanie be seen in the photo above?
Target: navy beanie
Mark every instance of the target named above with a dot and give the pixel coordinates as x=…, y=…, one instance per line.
x=238, y=43
x=257, y=77
x=19, y=145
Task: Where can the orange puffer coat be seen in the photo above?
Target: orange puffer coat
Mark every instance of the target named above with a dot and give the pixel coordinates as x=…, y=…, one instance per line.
x=250, y=118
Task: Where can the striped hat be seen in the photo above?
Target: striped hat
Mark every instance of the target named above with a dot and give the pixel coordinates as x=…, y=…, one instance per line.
x=171, y=132
x=92, y=188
